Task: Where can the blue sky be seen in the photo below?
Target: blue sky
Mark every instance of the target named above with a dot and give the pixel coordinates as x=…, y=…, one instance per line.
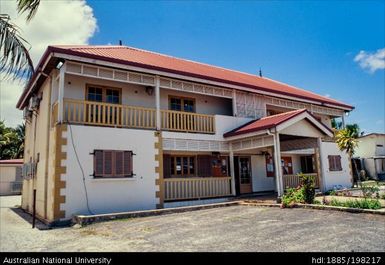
x=308, y=44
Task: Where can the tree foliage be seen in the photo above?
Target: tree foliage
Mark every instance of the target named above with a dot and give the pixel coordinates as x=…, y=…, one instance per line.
x=15, y=60
x=346, y=139
x=11, y=141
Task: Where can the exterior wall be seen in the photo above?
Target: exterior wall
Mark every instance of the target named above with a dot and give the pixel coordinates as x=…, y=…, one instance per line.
x=37, y=133
x=109, y=195
x=8, y=175
x=260, y=180
x=335, y=178
x=301, y=128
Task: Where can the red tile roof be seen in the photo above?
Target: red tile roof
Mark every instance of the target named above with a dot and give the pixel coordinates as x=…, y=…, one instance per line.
x=11, y=161
x=264, y=123
x=151, y=60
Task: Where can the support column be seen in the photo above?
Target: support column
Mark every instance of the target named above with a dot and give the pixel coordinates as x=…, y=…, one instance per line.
x=157, y=103
x=321, y=165
x=232, y=172
x=343, y=121
x=61, y=93
x=277, y=165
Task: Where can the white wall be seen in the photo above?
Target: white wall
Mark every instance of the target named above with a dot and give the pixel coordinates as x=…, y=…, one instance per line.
x=333, y=178
x=109, y=195
x=259, y=179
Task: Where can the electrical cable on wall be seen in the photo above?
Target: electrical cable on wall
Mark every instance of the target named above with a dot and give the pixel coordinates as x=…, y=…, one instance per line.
x=81, y=168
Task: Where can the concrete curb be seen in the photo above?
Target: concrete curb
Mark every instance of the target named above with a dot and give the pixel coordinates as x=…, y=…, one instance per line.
x=337, y=208
x=83, y=220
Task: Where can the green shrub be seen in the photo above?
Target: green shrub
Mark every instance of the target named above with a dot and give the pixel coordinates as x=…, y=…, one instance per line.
x=291, y=196
x=362, y=204
x=331, y=192
x=307, y=183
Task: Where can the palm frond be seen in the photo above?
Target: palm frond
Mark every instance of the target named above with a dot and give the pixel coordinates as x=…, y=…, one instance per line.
x=15, y=59
x=29, y=6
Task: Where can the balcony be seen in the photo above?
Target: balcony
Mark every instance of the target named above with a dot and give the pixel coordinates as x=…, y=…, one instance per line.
x=123, y=116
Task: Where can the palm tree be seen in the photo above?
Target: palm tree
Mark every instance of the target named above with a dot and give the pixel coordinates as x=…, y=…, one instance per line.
x=347, y=141
x=15, y=59
x=11, y=141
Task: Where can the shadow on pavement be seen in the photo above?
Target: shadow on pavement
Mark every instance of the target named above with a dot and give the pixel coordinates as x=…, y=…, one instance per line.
x=28, y=218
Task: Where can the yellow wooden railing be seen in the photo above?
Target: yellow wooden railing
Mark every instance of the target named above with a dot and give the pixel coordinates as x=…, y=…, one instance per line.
x=196, y=188
x=187, y=121
x=105, y=114
x=117, y=115
x=292, y=181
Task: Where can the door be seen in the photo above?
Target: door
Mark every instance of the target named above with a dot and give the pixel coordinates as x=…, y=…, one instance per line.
x=287, y=165
x=245, y=185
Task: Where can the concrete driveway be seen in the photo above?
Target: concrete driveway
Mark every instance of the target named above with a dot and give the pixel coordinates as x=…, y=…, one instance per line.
x=235, y=228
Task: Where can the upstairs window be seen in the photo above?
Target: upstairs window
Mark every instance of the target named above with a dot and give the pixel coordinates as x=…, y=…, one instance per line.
x=335, y=163
x=103, y=94
x=113, y=164
x=182, y=104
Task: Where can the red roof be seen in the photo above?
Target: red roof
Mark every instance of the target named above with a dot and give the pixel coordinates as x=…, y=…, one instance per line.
x=156, y=61
x=264, y=123
x=11, y=161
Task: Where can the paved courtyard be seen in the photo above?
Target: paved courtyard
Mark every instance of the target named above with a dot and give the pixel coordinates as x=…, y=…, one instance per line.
x=235, y=228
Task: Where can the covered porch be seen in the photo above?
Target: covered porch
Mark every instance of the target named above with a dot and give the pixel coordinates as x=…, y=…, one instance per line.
x=255, y=160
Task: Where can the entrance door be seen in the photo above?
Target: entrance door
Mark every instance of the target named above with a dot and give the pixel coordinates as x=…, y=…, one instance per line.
x=245, y=175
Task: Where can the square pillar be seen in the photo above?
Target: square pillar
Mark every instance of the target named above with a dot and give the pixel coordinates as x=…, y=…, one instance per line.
x=157, y=103
x=61, y=93
x=232, y=172
x=277, y=165
x=320, y=165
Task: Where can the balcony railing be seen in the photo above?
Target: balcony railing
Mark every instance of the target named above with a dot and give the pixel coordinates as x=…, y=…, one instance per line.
x=292, y=181
x=196, y=188
x=116, y=115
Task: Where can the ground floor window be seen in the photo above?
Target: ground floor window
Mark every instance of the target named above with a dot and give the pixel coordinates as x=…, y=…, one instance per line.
x=335, y=163
x=307, y=164
x=178, y=166
x=113, y=164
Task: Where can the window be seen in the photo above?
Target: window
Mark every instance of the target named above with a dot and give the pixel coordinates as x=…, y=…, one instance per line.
x=103, y=94
x=179, y=166
x=335, y=163
x=182, y=166
x=307, y=164
x=182, y=104
x=113, y=164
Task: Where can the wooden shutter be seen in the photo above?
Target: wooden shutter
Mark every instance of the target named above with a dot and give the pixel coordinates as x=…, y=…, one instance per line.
x=204, y=166
x=107, y=163
x=338, y=163
x=98, y=163
x=166, y=166
x=119, y=165
x=128, y=164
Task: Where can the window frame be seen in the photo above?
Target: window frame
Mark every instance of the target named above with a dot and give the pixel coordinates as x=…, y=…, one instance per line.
x=182, y=99
x=173, y=169
x=104, y=92
x=113, y=174
x=333, y=167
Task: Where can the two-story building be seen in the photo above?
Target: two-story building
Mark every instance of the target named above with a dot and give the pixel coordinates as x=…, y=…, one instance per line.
x=115, y=128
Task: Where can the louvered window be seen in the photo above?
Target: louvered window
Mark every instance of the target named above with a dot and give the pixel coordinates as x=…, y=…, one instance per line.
x=113, y=164
x=335, y=163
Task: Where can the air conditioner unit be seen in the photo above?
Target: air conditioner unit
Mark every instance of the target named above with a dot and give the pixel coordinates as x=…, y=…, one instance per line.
x=34, y=103
x=27, y=114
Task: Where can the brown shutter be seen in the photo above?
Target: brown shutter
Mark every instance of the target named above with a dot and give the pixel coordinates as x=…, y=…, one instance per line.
x=338, y=163
x=204, y=166
x=330, y=158
x=119, y=169
x=166, y=166
x=128, y=164
x=107, y=163
x=98, y=163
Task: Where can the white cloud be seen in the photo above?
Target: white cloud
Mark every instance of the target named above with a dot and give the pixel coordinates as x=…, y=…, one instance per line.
x=371, y=61
x=56, y=22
